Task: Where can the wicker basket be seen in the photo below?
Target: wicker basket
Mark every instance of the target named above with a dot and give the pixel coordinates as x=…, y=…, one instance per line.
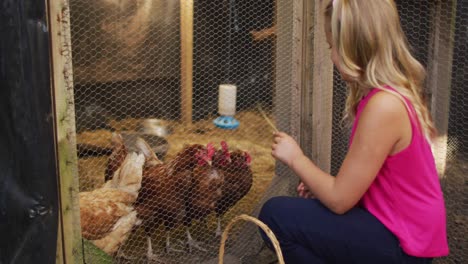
x=260, y=224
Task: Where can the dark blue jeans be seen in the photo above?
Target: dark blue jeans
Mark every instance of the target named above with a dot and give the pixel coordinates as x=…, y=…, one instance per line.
x=310, y=233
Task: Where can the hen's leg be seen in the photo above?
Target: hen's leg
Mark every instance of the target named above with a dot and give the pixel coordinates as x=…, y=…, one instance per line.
x=170, y=249
x=149, y=254
x=123, y=256
x=192, y=243
x=218, y=229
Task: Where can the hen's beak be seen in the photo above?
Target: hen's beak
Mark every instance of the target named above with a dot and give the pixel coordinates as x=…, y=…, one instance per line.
x=209, y=161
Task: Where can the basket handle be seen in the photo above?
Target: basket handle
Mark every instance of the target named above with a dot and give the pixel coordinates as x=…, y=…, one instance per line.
x=260, y=224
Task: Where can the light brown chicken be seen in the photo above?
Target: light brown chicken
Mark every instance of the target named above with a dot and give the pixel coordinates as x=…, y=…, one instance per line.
x=107, y=214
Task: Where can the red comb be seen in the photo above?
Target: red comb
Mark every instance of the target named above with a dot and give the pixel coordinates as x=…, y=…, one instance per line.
x=248, y=158
x=210, y=149
x=224, y=145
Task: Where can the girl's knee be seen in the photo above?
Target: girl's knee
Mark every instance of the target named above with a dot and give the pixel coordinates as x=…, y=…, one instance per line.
x=271, y=207
x=270, y=210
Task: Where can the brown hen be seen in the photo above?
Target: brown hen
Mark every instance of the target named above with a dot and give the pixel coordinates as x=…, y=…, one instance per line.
x=205, y=191
x=165, y=190
x=238, y=179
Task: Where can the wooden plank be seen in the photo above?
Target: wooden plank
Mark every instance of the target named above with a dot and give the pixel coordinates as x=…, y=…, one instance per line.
x=287, y=96
x=440, y=75
x=298, y=64
x=284, y=50
x=318, y=94
x=62, y=83
x=59, y=256
x=287, y=111
x=292, y=101
x=186, y=53
x=306, y=76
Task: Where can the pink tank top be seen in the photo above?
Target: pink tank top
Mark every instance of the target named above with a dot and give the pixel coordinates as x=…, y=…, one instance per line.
x=406, y=195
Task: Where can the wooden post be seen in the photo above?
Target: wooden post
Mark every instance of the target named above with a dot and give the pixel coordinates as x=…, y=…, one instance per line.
x=70, y=242
x=306, y=74
x=186, y=54
x=310, y=82
x=299, y=62
x=288, y=66
x=289, y=63
x=59, y=254
x=440, y=75
x=317, y=92
x=289, y=60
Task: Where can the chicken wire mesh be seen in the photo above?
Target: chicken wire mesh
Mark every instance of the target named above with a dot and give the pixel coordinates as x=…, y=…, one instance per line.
x=169, y=202
x=455, y=182
x=127, y=62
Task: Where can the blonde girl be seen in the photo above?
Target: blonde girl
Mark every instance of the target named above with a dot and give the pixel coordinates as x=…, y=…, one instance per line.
x=385, y=205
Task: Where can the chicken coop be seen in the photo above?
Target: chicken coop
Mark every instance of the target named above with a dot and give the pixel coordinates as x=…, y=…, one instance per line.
x=164, y=112
x=160, y=78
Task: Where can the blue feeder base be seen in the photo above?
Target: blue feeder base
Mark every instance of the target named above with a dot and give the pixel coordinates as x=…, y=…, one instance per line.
x=226, y=122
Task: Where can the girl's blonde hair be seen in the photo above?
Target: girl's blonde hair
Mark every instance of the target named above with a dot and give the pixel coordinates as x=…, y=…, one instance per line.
x=374, y=53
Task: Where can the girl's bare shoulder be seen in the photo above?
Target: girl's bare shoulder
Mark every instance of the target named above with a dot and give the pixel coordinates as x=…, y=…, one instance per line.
x=384, y=105
x=385, y=114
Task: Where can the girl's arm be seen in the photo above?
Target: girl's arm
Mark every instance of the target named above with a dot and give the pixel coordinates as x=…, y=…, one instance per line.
x=382, y=130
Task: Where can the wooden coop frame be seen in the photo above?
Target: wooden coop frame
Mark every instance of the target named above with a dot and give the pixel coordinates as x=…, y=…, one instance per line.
x=310, y=121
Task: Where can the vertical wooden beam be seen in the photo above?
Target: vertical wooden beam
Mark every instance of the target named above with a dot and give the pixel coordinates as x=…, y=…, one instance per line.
x=289, y=64
x=62, y=85
x=289, y=24
x=283, y=69
x=440, y=75
x=318, y=88
x=306, y=76
x=186, y=64
x=298, y=64
x=288, y=85
x=59, y=256
x=311, y=81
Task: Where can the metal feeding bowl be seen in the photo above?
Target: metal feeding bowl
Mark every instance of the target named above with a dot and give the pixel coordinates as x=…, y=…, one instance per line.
x=158, y=144
x=154, y=126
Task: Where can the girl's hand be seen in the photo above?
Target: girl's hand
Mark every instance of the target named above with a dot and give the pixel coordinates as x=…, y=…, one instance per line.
x=285, y=148
x=303, y=191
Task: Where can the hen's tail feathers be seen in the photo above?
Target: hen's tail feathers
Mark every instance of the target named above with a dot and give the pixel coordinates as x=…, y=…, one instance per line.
x=117, y=139
x=119, y=151
x=128, y=176
x=150, y=156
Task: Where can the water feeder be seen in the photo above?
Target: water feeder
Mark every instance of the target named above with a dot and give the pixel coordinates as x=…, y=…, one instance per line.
x=227, y=107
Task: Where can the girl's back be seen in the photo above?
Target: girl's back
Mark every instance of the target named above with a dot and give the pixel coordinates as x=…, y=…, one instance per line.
x=406, y=195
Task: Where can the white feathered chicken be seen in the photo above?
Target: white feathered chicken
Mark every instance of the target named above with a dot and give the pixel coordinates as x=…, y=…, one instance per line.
x=107, y=214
